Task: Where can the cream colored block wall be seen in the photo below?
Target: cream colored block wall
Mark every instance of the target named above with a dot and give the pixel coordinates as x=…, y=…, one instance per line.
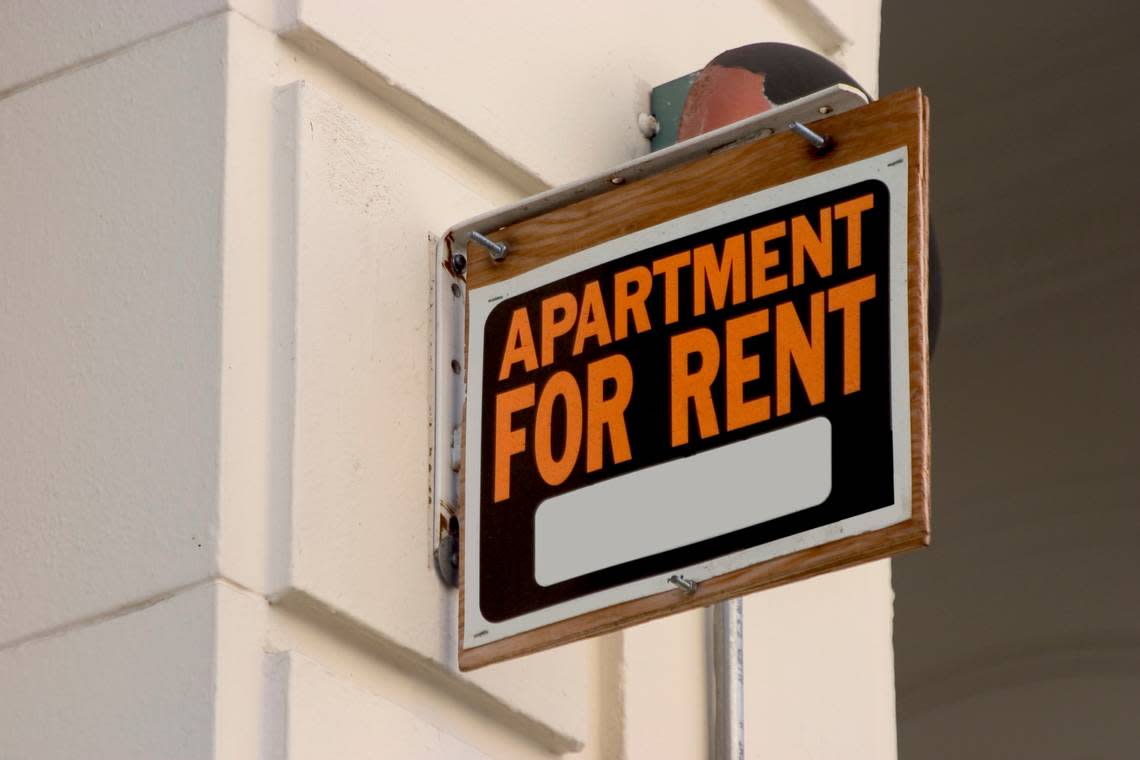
x=216, y=298
x=137, y=685
x=43, y=39
x=110, y=288
x=819, y=667
x=588, y=66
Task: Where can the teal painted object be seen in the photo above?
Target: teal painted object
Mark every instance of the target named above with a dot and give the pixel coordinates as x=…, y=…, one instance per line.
x=666, y=102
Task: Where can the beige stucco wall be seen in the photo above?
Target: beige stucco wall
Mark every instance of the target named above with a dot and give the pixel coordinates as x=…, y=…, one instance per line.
x=215, y=319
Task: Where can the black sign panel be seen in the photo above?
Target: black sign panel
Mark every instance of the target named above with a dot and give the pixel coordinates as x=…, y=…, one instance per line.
x=729, y=333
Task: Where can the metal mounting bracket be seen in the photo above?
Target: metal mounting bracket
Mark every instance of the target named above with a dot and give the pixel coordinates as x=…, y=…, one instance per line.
x=449, y=294
x=836, y=99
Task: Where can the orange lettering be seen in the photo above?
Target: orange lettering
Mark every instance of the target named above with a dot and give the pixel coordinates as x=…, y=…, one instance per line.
x=818, y=247
x=670, y=266
x=715, y=276
x=763, y=260
x=793, y=347
x=607, y=413
x=592, y=321
x=520, y=345
x=847, y=298
x=627, y=302
x=740, y=369
x=555, y=470
x=696, y=386
x=852, y=211
x=509, y=441
x=554, y=326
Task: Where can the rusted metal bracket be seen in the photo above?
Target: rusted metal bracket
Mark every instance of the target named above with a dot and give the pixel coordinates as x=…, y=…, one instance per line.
x=449, y=292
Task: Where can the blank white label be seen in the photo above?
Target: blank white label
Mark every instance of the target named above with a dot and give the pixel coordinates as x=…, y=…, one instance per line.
x=611, y=522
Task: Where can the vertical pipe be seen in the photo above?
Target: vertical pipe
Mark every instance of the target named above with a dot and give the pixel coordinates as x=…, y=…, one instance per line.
x=728, y=680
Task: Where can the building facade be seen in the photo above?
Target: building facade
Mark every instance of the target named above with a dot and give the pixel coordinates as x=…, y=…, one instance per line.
x=216, y=328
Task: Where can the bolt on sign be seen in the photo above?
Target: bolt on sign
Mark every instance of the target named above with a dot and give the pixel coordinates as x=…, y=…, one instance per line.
x=700, y=383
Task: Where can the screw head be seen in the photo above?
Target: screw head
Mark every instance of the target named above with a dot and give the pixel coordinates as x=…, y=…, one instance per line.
x=648, y=125
x=825, y=110
x=617, y=180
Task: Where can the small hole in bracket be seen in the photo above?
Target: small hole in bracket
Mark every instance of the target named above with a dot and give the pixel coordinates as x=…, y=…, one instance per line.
x=825, y=110
x=456, y=290
x=456, y=367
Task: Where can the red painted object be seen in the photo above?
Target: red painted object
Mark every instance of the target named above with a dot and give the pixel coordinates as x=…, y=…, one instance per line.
x=751, y=79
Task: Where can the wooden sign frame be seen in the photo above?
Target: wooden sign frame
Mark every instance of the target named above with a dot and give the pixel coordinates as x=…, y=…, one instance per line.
x=899, y=120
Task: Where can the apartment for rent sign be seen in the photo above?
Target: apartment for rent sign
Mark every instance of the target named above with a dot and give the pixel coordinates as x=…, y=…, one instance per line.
x=689, y=399
x=679, y=349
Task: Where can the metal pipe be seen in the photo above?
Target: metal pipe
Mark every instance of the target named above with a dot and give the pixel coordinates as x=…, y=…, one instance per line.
x=728, y=679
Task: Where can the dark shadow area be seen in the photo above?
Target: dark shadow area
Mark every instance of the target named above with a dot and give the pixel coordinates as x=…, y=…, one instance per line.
x=1017, y=634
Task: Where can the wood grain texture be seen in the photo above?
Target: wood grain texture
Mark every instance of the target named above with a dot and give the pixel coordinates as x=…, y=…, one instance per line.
x=896, y=121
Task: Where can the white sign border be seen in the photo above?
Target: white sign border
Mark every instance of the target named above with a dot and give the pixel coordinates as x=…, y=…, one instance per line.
x=892, y=169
